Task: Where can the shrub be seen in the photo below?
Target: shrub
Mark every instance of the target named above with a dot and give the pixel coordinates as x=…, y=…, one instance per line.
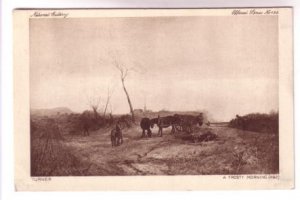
x=265, y=123
x=49, y=157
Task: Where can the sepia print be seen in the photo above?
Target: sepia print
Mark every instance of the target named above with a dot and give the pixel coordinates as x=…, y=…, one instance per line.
x=153, y=95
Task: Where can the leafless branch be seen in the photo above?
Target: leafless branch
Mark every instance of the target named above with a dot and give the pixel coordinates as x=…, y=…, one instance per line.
x=123, y=74
x=109, y=94
x=94, y=104
x=111, y=109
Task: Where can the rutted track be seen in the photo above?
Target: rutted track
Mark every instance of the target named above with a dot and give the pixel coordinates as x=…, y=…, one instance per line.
x=172, y=154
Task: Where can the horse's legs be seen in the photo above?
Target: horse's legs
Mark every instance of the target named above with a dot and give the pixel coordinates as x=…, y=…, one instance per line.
x=173, y=129
x=190, y=130
x=121, y=138
x=185, y=129
x=118, y=141
x=112, y=141
x=160, y=131
x=178, y=128
x=149, y=132
x=143, y=134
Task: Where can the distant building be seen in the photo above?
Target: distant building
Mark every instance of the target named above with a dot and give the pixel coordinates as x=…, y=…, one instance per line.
x=138, y=111
x=141, y=111
x=148, y=111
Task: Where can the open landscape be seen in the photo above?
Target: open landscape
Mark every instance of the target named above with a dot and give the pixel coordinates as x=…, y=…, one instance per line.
x=122, y=96
x=59, y=151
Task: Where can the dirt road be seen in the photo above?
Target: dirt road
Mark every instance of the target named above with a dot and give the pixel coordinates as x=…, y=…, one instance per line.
x=233, y=152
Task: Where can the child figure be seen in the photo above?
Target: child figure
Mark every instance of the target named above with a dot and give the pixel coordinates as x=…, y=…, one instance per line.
x=119, y=135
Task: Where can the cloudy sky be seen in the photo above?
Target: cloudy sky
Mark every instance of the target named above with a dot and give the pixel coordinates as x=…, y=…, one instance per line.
x=225, y=65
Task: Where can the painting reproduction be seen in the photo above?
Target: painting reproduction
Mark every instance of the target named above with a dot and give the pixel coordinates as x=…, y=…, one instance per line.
x=125, y=99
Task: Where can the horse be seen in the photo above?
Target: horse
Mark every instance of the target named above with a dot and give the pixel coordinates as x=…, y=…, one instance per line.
x=146, y=124
x=164, y=122
x=186, y=122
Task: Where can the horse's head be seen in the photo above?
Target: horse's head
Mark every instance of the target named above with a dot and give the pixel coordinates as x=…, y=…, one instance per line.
x=153, y=122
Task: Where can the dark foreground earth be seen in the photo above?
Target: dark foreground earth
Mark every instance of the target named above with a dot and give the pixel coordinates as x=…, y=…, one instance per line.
x=232, y=151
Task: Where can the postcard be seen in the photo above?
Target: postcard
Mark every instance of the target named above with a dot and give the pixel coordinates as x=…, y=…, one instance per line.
x=153, y=99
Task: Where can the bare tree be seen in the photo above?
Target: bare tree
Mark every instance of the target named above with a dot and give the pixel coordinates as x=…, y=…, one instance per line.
x=111, y=118
x=123, y=74
x=111, y=109
x=109, y=94
x=94, y=104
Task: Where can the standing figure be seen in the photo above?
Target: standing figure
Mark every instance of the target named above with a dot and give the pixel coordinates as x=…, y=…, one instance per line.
x=116, y=135
x=86, y=129
x=119, y=134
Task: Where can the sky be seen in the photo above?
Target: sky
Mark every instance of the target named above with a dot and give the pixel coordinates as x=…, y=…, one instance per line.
x=225, y=65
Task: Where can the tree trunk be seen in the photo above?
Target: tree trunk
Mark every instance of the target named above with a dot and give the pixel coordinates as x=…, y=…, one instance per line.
x=95, y=113
x=129, y=102
x=107, y=101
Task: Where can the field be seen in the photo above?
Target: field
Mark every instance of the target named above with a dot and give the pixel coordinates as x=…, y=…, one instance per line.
x=233, y=151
